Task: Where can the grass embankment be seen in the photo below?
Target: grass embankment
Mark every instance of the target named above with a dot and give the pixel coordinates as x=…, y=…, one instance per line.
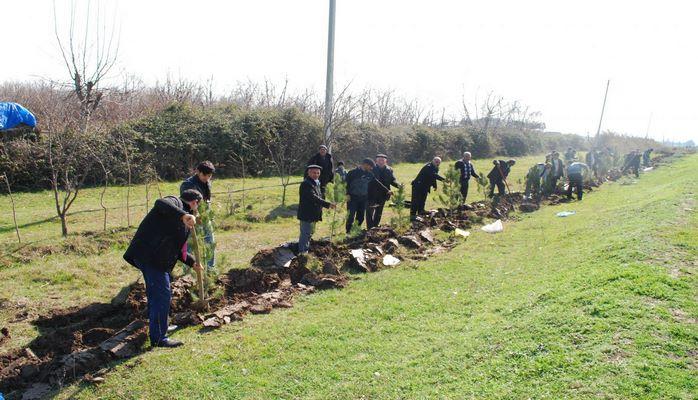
x=47, y=271
x=598, y=305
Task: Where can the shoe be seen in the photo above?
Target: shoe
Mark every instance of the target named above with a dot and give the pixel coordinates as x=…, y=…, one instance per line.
x=167, y=342
x=172, y=328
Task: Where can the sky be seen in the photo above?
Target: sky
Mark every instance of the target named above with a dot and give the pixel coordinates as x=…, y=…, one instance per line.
x=554, y=56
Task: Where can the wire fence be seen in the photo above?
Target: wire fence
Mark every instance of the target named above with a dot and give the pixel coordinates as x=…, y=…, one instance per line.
x=137, y=204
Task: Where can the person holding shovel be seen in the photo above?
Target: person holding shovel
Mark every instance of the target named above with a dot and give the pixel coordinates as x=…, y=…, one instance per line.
x=422, y=185
x=576, y=173
x=358, y=180
x=379, y=190
x=498, y=175
x=160, y=241
x=310, y=205
x=201, y=182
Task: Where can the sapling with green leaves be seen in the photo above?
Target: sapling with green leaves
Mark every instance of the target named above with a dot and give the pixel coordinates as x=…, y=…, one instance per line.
x=450, y=196
x=399, y=222
x=336, y=193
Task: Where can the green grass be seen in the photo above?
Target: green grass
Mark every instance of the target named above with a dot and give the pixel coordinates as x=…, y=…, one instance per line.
x=41, y=274
x=598, y=305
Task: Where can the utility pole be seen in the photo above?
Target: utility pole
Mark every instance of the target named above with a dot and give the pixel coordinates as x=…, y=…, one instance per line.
x=330, y=76
x=598, y=130
x=647, y=133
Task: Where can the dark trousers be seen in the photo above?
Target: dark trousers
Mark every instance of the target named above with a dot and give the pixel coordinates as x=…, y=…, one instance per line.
x=159, y=294
x=357, y=209
x=419, y=199
x=374, y=212
x=576, y=183
x=500, y=186
x=554, y=183
x=464, y=188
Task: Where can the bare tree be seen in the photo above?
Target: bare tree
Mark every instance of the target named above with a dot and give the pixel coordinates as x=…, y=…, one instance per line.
x=88, y=55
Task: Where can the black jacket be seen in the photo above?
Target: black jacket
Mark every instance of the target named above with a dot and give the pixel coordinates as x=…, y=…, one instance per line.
x=380, y=186
x=327, y=173
x=460, y=166
x=427, y=177
x=495, y=175
x=358, y=182
x=193, y=182
x=161, y=236
x=311, y=201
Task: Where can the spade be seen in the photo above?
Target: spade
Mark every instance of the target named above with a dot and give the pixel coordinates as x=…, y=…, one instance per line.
x=202, y=304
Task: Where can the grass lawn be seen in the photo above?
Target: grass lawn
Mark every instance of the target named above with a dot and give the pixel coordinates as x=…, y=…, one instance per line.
x=598, y=305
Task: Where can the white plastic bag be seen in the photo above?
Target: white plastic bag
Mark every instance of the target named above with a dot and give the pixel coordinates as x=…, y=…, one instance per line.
x=648, y=169
x=494, y=227
x=462, y=233
x=565, y=213
x=389, y=260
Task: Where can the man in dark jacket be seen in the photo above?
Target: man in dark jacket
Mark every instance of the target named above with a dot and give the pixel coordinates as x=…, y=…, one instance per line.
x=358, y=180
x=310, y=205
x=646, y=157
x=558, y=169
x=467, y=169
x=324, y=159
x=632, y=163
x=379, y=190
x=422, y=184
x=201, y=182
x=155, y=248
x=499, y=174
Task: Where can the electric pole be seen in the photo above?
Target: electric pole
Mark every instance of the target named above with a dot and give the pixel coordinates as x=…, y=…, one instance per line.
x=598, y=130
x=330, y=75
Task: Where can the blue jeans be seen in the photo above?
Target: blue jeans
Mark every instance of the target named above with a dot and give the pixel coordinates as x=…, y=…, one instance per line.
x=307, y=229
x=159, y=294
x=357, y=209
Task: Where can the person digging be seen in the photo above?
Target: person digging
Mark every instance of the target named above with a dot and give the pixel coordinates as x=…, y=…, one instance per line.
x=422, y=185
x=159, y=242
x=379, y=190
x=498, y=176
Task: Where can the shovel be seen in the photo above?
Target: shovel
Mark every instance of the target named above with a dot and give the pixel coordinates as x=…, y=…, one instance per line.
x=202, y=304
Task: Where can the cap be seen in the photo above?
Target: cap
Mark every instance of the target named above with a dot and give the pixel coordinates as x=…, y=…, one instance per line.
x=191, y=195
x=381, y=155
x=368, y=161
x=322, y=146
x=311, y=166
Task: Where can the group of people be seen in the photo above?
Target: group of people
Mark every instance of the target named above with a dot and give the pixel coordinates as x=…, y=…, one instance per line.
x=161, y=238
x=542, y=179
x=368, y=187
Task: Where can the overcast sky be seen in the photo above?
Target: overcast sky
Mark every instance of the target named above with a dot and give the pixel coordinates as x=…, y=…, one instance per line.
x=554, y=56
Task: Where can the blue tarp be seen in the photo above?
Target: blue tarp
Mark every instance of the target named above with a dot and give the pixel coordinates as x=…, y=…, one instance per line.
x=13, y=114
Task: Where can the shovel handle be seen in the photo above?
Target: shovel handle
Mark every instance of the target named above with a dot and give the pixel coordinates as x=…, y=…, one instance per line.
x=197, y=255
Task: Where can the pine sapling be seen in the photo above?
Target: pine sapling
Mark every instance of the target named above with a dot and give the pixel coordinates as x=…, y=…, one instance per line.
x=399, y=222
x=336, y=193
x=450, y=196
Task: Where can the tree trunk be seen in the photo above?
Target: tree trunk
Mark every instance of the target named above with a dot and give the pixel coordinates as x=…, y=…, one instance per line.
x=64, y=225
